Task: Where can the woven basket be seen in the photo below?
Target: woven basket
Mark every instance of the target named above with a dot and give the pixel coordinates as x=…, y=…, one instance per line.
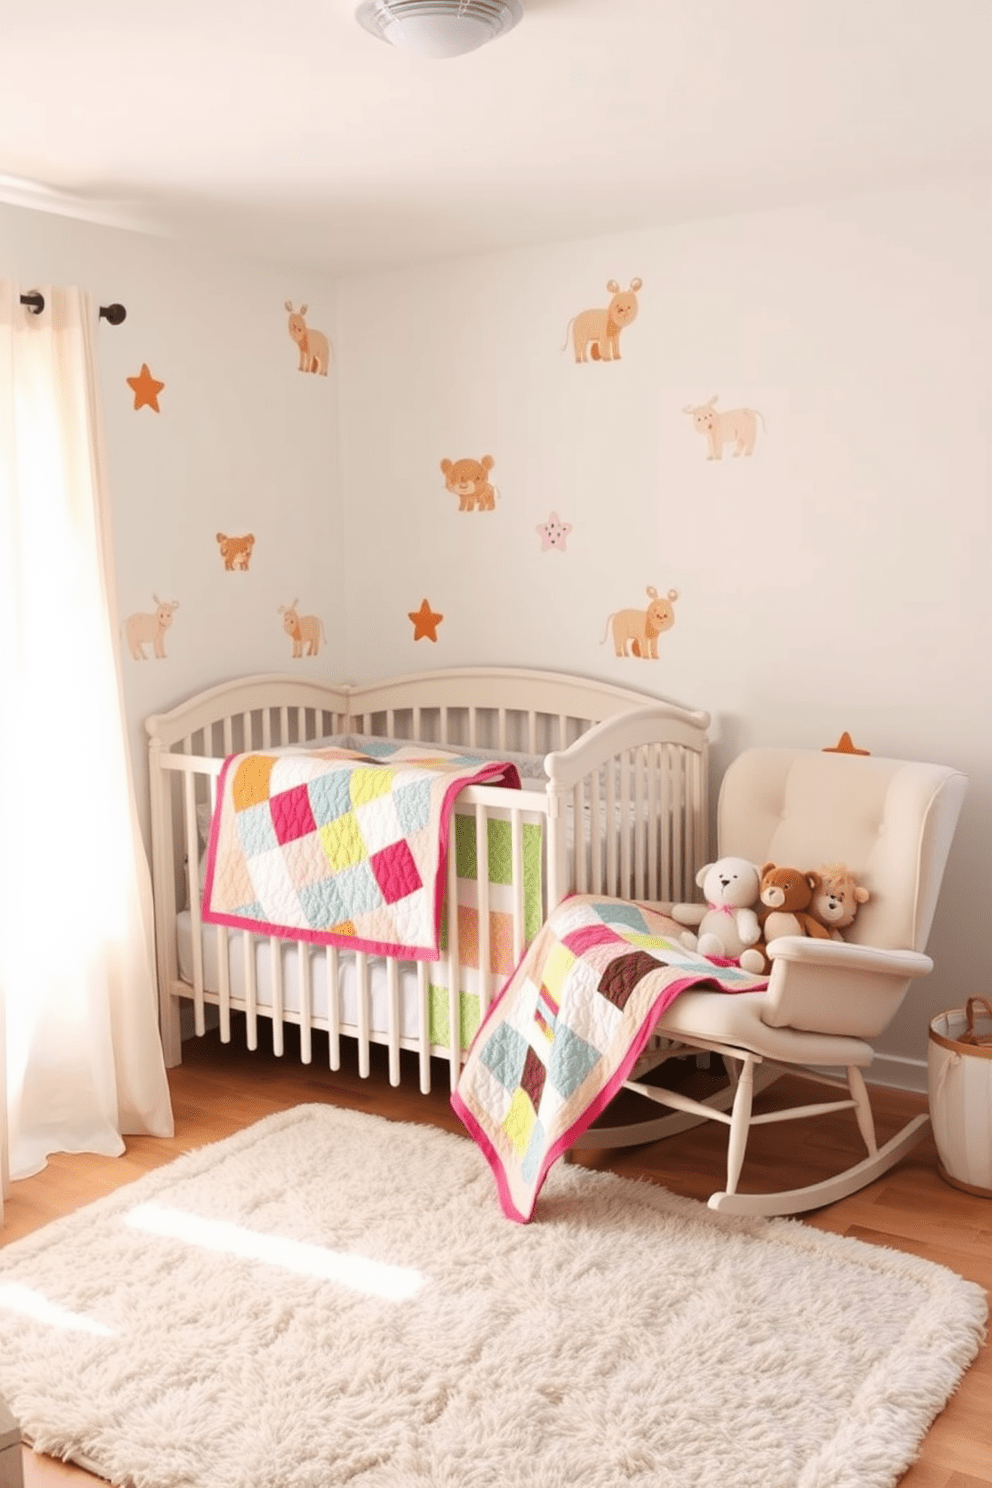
x=960, y=1079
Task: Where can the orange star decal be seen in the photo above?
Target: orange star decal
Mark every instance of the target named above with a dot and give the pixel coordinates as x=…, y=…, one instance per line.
x=425, y=622
x=146, y=389
x=845, y=745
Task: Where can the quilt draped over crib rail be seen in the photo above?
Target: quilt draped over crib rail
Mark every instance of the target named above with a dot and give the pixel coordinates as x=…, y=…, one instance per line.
x=339, y=847
x=566, y=1031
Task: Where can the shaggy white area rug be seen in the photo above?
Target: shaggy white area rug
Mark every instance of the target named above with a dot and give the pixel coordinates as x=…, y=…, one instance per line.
x=331, y=1298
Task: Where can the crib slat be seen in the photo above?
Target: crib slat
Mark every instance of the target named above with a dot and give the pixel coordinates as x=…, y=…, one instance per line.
x=678, y=844
x=333, y=1007
x=275, y=953
x=595, y=841
x=611, y=830
x=223, y=941
x=393, y=1031
x=424, y=1026
x=193, y=879
x=305, y=978
x=623, y=767
x=579, y=874
x=653, y=820
x=266, y=728
x=362, y=970
x=640, y=844
x=251, y=989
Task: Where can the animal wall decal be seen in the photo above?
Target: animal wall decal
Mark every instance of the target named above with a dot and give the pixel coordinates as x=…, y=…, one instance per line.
x=315, y=349
x=142, y=629
x=146, y=389
x=425, y=622
x=469, y=481
x=596, y=333
x=236, y=551
x=305, y=631
x=640, y=629
x=737, y=426
x=553, y=533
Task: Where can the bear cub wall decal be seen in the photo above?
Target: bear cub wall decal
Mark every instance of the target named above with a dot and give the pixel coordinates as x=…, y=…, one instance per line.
x=469, y=481
x=236, y=551
x=640, y=629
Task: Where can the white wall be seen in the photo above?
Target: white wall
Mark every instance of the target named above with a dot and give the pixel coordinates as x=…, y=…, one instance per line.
x=243, y=442
x=836, y=580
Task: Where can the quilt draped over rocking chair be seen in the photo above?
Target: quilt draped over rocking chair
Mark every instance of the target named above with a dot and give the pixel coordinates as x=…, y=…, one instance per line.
x=891, y=822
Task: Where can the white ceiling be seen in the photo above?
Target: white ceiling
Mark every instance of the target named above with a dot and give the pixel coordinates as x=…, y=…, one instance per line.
x=282, y=129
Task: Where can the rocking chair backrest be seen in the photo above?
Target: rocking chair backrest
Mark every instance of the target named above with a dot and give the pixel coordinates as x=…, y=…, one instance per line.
x=890, y=821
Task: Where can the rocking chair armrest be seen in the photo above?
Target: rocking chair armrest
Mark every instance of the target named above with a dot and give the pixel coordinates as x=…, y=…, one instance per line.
x=845, y=956
x=829, y=986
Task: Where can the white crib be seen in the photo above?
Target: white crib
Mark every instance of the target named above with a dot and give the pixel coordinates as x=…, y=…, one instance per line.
x=614, y=801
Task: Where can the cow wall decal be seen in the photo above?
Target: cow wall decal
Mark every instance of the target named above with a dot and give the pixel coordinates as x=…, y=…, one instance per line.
x=736, y=426
x=596, y=333
x=639, y=629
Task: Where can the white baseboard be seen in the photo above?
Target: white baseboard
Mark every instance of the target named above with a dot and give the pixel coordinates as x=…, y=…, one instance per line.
x=894, y=1072
x=899, y=1073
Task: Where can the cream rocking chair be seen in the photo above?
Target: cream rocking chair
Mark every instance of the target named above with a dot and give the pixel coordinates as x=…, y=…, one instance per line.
x=892, y=823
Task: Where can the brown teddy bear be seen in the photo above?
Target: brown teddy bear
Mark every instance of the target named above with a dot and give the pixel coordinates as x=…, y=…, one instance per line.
x=837, y=900
x=785, y=896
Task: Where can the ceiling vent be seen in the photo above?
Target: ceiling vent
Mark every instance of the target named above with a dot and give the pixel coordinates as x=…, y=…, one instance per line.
x=439, y=28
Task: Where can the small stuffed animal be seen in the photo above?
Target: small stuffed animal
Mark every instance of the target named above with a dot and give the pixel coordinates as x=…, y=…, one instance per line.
x=836, y=901
x=727, y=922
x=785, y=895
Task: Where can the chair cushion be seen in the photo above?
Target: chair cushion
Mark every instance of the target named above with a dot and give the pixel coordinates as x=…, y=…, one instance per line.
x=890, y=821
x=737, y=1019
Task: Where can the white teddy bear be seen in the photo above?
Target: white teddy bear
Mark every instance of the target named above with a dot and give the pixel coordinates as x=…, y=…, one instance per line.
x=727, y=923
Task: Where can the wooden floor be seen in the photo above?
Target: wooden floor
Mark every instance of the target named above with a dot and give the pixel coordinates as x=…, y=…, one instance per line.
x=219, y=1089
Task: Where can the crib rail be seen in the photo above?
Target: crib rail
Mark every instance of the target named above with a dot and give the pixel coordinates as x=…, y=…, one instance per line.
x=629, y=809
x=624, y=813
x=184, y=776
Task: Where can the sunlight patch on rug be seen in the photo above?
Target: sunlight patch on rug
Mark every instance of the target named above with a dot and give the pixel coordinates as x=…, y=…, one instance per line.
x=330, y=1298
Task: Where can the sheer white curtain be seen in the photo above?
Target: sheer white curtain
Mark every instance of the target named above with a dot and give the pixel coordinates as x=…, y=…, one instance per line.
x=84, y=1063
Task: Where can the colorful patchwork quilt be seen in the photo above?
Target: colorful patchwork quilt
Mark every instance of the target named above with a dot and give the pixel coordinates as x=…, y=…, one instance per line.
x=566, y=1031
x=339, y=847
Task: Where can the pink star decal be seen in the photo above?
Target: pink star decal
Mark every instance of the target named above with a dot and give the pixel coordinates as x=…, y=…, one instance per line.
x=553, y=533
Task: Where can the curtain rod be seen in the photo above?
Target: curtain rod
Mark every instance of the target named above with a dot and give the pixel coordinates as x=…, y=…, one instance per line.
x=114, y=313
